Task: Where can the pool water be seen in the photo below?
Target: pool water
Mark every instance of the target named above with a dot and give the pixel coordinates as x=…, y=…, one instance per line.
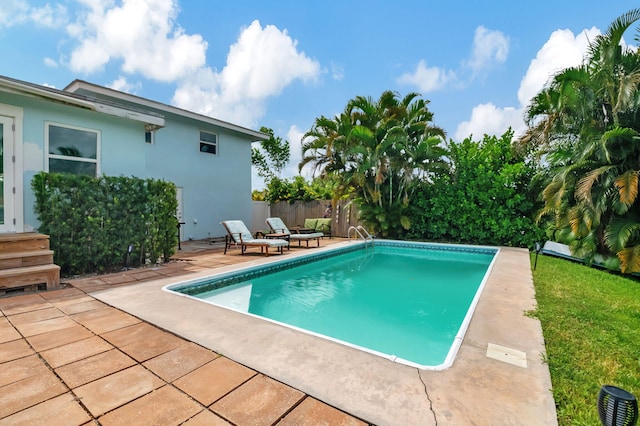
x=407, y=302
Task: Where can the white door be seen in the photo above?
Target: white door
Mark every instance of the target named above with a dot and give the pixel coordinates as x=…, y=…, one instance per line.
x=7, y=187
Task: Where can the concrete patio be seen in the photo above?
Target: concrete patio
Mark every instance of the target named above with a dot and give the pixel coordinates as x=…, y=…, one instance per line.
x=117, y=349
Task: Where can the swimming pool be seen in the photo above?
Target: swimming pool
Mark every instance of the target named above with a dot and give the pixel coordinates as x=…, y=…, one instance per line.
x=409, y=302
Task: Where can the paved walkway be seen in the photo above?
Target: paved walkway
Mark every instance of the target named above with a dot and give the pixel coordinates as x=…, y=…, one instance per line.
x=69, y=359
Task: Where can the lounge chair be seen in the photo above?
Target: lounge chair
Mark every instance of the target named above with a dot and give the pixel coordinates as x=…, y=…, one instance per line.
x=277, y=225
x=239, y=234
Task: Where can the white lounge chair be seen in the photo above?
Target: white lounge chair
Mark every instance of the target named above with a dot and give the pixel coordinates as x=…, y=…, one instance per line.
x=277, y=225
x=239, y=234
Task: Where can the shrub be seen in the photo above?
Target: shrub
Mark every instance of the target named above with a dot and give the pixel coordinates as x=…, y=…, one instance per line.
x=92, y=221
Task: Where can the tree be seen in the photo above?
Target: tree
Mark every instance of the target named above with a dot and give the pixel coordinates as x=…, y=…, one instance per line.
x=376, y=150
x=584, y=126
x=271, y=156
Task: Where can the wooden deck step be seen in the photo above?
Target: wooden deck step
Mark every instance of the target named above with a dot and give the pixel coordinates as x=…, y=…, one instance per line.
x=24, y=241
x=30, y=275
x=25, y=258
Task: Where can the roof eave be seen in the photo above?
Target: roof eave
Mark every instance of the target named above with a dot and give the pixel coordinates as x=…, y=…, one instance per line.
x=105, y=91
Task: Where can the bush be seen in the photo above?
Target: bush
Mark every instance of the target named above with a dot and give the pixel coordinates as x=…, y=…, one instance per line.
x=486, y=199
x=92, y=221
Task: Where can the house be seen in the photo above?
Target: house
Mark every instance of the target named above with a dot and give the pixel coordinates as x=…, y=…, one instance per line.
x=90, y=129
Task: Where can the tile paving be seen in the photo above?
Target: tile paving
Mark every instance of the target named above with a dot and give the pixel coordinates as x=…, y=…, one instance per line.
x=69, y=359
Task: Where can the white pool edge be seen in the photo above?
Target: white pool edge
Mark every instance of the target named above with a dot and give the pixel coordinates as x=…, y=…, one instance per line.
x=451, y=354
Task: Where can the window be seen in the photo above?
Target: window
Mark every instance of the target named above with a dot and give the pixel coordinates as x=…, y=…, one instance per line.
x=149, y=136
x=208, y=142
x=72, y=149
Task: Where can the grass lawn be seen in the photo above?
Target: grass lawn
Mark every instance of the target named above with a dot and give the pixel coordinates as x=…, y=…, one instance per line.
x=591, y=325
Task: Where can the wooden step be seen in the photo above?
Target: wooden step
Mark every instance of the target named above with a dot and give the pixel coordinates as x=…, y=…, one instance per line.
x=25, y=258
x=30, y=275
x=23, y=241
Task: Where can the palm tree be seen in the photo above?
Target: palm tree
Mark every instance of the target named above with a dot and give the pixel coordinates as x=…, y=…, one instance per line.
x=377, y=149
x=584, y=125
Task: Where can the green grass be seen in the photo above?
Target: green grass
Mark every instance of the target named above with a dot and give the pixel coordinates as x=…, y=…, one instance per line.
x=591, y=325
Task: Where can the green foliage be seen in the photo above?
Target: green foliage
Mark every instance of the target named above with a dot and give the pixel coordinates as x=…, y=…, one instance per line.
x=584, y=127
x=487, y=197
x=591, y=330
x=376, y=150
x=92, y=221
x=271, y=156
x=297, y=188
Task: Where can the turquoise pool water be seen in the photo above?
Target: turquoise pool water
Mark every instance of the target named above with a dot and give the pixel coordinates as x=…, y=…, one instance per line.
x=407, y=301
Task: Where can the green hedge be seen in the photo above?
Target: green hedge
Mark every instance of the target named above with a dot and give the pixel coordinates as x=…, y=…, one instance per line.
x=92, y=221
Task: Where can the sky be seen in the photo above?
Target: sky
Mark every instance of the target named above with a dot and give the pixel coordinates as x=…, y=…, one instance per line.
x=282, y=64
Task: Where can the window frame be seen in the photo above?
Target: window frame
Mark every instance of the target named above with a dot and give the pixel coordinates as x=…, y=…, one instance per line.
x=49, y=156
x=152, y=137
x=215, y=144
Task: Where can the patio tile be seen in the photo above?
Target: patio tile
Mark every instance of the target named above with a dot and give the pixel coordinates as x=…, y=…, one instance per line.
x=7, y=332
x=144, y=275
x=143, y=341
x=14, y=349
x=312, y=412
x=81, y=306
x=95, y=367
x=39, y=327
x=206, y=418
x=118, y=279
x=164, y=406
x=33, y=390
x=180, y=361
x=105, y=320
x=18, y=304
x=36, y=316
x=62, y=410
x=53, y=339
x=214, y=380
x=260, y=401
x=75, y=351
x=20, y=369
x=117, y=389
x=61, y=294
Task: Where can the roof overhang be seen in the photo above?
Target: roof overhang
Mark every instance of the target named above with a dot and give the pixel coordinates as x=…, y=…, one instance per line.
x=9, y=85
x=80, y=85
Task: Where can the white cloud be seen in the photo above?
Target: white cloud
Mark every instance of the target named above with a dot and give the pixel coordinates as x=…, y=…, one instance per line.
x=491, y=120
x=19, y=12
x=489, y=47
x=259, y=65
x=562, y=50
x=337, y=71
x=141, y=33
x=427, y=79
x=51, y=63
x=123, y=85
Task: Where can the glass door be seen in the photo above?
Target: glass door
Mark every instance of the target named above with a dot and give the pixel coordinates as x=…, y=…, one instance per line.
x=7, y=212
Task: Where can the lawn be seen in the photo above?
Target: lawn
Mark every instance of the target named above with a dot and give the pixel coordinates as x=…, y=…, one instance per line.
x=591, y=324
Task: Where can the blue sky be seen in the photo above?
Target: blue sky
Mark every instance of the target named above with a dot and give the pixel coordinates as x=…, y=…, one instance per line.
x=281, y=64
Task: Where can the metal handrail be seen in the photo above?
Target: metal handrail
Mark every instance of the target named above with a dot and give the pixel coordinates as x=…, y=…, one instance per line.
x=361, y=232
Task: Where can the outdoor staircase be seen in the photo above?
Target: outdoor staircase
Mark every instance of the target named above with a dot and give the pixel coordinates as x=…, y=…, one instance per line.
x=26, y=263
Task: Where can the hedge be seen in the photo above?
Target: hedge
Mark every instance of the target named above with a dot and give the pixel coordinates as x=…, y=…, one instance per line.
x=91, y=222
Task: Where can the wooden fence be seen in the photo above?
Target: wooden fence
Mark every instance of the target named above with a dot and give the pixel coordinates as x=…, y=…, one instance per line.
x=343, y=214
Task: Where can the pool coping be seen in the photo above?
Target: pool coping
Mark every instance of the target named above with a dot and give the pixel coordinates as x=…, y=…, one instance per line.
x=476, y=387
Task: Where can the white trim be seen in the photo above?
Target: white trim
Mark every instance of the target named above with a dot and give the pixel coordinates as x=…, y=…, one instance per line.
x=105, y=91
x=17, y=114
x=17, y=87
x=47, y=155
